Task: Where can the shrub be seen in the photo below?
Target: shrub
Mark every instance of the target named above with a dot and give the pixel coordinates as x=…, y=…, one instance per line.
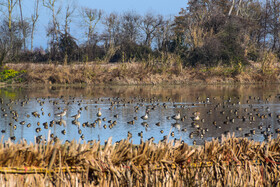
x=9, y=74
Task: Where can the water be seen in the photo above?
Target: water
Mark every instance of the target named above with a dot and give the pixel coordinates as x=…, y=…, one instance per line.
x=235, y=109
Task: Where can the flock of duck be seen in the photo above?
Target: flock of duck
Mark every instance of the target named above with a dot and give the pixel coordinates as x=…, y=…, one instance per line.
x=194, y=121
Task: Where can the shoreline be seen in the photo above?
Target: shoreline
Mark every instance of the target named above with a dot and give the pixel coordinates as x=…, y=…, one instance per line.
x=138, y=74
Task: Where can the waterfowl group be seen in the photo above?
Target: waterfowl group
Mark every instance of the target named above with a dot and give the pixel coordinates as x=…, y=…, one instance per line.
x=217, y=116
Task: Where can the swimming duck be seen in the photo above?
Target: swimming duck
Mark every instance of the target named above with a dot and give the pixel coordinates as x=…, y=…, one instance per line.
x=99, y=112
x=145, y=117
x=177, y=116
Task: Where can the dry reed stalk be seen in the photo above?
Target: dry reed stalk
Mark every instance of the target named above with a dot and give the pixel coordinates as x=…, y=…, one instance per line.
x=163, y=164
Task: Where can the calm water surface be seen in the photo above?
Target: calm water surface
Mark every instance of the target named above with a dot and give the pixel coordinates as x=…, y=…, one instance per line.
x=247, y=110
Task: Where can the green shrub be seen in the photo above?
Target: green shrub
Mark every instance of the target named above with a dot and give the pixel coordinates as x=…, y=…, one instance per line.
x=8, y=74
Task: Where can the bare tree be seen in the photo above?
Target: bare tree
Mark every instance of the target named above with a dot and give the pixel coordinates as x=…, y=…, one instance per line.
x=22, y=26
x=7, y=33
x=149, y=25
x=130, y=25
x=51, y=5
x=68, y=14
x=112, y=28
x=265, y=23
x=10, y=5
x=238, y=6
x=91, y=17
x=163, y=34
x=66, y=37
x=111, y=34
x=274, y=25
x=53, y=29
x=34, y=18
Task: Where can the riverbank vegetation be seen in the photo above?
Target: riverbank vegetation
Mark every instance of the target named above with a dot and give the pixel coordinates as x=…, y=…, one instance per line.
x=224, y=39
x=139, y=74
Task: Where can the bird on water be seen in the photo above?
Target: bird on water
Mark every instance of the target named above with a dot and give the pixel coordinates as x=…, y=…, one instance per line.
x=99, y=112
x=177, y=116
x=145, y=117
x=77, y=116
x=61, y=114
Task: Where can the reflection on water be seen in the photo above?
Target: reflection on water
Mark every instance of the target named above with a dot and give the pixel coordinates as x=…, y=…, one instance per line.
x=205, y=112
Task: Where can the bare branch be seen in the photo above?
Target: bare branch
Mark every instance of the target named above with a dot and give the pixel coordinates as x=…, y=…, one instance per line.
x=91, y=18
x=34, y=18
x=231, y=8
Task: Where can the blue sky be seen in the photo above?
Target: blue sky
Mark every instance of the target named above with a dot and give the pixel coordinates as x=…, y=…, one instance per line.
x=164, y=7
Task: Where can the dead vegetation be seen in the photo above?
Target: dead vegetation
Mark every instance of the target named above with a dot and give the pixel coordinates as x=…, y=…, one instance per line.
x=145, y=73
x=229, y=162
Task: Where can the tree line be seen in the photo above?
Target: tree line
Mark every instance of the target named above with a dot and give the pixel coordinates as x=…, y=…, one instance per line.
x=205, y=32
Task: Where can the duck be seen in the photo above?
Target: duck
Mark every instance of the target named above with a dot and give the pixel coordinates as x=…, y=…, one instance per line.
x=145, y=117
x=177, y=125
x=77, y=116
x=151, y=139
x=177, y=116
x=145, y=124
x=129, y=135
x=38, y=129
x=131, y=122
x=99, y=112
x=196, y=118
x=63, y=132
x=61, y=114
x=140, y=134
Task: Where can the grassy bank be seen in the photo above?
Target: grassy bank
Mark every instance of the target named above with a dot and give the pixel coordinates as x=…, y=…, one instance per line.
x=139, y=73
x=231, y=162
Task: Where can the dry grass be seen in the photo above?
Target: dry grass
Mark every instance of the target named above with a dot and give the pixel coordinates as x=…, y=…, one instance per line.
x=143, y=73
x=124, y=73
x=147, y=164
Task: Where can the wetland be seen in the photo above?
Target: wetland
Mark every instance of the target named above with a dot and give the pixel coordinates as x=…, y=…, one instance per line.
x=206, y=112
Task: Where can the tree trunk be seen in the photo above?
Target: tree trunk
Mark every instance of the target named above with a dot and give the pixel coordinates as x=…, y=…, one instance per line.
x=22, y=26
x=231, y=8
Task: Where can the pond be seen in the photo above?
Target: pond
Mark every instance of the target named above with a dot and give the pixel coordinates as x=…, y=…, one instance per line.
x=206, y=112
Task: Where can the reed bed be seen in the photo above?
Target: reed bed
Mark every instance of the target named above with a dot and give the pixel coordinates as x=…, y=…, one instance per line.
x=230, y=161
x=139, y=73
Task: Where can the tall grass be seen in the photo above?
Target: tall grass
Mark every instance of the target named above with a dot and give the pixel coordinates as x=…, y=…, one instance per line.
x=165, y=69
x=163, y=164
